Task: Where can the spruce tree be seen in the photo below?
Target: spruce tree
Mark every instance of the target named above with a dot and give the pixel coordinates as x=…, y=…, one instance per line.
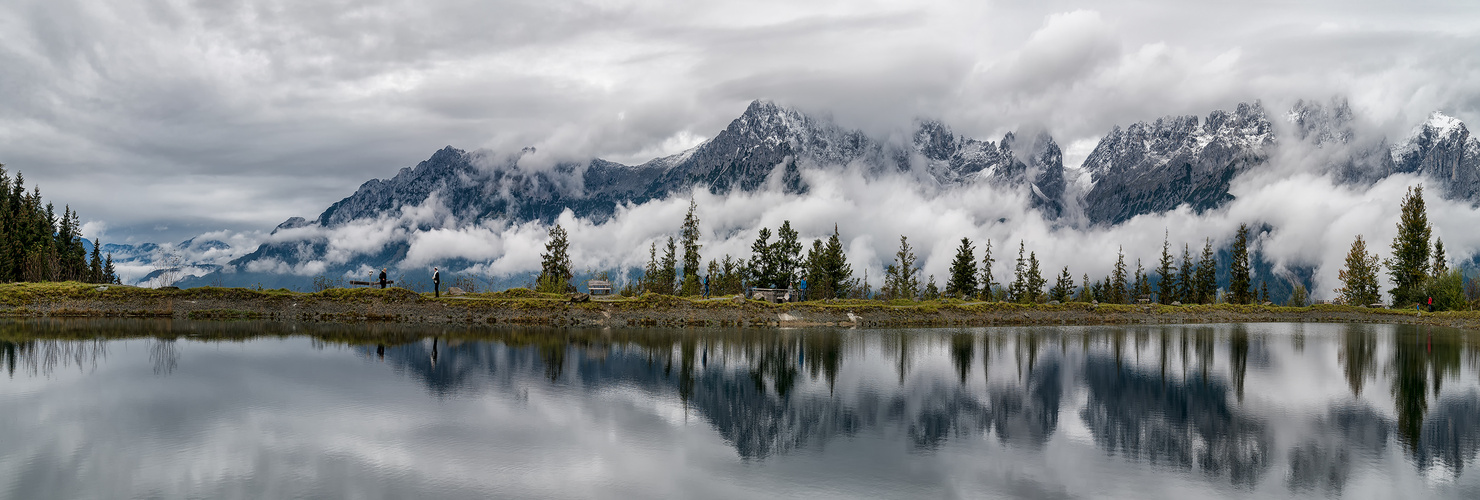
x=1263, y=291
x=1084, y=292
x=1359, y=285
x=109, y=275
x=1187, y=277
x=986, y=281
x=692, y=285
x=962, y=283
x=1441, y=264
x=788, y=255
x=668, y=270
x=1019, y=286
x=650, y=274
x=932, y=292
x=1240, y=285
x=1035, y=281
x=95, y=264
x=837, y=277
x=555, y=268
x=906, y=275
x=762, y=263
x=1410, y=261
x=1207, y=277
x=1117, y=291
x=1166, y=282
x=1063, y=287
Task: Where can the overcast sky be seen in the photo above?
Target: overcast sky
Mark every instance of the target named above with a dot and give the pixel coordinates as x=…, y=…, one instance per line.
x=168, y=118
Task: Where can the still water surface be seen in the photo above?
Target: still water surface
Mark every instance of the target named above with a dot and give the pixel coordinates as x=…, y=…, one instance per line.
x=1238, y=411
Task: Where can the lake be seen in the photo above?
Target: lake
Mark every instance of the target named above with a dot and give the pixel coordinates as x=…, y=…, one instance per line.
x=116, y=409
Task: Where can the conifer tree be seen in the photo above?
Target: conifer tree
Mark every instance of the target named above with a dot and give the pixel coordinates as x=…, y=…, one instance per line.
x=1441, y=264
x=1409, y=264
x=692, y=285
x=986, y=281
x=1166, y=281
x=109, y=276
x=932, y=292
x=762, y=262
x=1263, y=291
x=1035, y=281
x=1359, y=285
x=1187, y=277
x=788, y=255
x=1207, y=277
x=555, y=269
x=1063, y=288
x=962, y=283
x=906, y=278
x=650, y=274
x=1019, y=286
x=836, y=279
x=1240, y=284
x=1084, y=292
x=668, y=270
x=1117, y=292
x=95, y=264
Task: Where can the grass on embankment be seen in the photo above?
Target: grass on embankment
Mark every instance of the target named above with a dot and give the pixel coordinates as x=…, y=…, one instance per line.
x=234, y=303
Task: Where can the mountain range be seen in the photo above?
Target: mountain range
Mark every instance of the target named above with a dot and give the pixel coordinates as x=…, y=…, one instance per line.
x=1141, y=168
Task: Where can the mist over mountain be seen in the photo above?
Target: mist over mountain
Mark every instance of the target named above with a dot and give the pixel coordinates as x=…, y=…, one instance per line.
x=484, y=213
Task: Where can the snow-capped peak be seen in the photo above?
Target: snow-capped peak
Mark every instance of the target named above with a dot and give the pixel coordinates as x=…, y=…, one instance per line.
x=1442, y=125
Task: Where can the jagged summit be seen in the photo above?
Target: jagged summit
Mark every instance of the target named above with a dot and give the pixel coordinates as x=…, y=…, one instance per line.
x=1175, y=160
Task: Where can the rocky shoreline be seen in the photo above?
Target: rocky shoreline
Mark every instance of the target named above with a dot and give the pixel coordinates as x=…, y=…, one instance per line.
x=525, y=308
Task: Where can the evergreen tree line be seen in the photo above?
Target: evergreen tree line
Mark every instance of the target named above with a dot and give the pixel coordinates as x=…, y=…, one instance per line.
x=37, y=244
x=1418, y=271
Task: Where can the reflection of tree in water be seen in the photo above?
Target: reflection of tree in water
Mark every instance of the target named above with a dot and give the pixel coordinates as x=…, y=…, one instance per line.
x=1186, y=424
x=44, y=357
x=1451, y=435
x=1027, y=414
x=1419, y=358
x=164, y=355
x=963, y=348
x=1358, y=351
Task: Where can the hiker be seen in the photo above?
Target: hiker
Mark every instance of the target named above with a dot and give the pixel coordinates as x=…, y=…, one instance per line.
x=436, y=283
x=382, y=278
x=804, y=289
x=1431, y=304
x=706, y=286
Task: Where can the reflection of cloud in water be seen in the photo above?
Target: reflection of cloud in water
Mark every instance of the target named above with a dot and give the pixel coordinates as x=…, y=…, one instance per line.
x=1181, y=423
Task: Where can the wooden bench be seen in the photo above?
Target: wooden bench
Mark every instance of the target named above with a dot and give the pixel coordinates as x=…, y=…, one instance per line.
x=599, y=287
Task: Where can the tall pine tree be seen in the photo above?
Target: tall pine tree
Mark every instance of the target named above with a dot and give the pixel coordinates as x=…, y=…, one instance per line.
x=962, y=283
x=692, y=285
x=1240, y=284
x=1409, y=264
x=555, y=269
x=1166, y=281
x=1117, y=293
x=1207, y=277
x=986, y=281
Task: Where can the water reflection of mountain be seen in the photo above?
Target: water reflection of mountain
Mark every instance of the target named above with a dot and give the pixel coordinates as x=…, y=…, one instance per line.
x=1181, y=423
x=753, y=404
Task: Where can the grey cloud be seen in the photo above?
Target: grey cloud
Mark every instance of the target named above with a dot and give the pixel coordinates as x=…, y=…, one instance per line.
x=231, y=115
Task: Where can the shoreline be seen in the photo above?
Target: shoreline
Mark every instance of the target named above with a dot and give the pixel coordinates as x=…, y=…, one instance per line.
x=520, y=307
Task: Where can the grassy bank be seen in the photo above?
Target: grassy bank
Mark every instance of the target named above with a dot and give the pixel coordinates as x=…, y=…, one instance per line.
x=525, y=307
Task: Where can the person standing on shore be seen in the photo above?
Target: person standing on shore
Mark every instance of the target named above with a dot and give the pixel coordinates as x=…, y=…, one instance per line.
x=436, y=283
x=706, y=286
x=382, y=278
